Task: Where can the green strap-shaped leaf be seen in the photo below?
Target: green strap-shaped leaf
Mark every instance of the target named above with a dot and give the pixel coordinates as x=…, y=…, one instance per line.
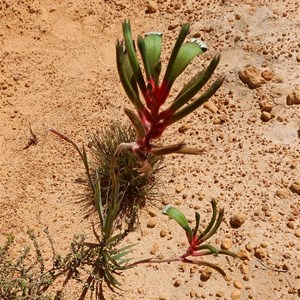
x=185, y=55
x=126, y=76
x=180, y=218
x=195, y=84
x=153, y=42
x=197, y=217
x=180, y=39
x=195, y=104
x=137, y=73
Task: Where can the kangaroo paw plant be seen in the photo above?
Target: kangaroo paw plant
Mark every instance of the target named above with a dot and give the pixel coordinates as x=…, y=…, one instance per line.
x=196, y=240
x=150, y=120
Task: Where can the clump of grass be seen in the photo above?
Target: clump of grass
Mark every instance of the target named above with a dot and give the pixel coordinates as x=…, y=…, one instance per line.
x=136, y=188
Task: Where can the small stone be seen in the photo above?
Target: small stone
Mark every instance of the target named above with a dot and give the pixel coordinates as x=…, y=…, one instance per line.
x=260, y=253
x=151, y=223
x=293, y=98
x=237, y=284
x=265, y=105
x=252, y=77
x=276, y=78
x=267, y=75
x=226, y=244
x=266, y=116
x=219, y=294
x=154, y=248
x=205, y=274
x=282, y=193
x=163, y=233
x=295, y=187
x=177, y=282
x=183, y=128
x=151, y=7
x=298, y=58
x=236, y=295
x=179, y=188
x=90, y=11
x=290, y=225
x=211, y=106
x=244, y=269
x=297, y=233
x=237, y=220
x=152, y=212
x=243, y=254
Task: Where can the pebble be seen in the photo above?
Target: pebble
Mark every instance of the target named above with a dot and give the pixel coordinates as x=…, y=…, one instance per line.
x=183, y=128
x=295, y=187
x=267, y=75
x=238, y=219
x=282, y=193
x=163, y=233
x=298, y=58
x=177, y=282
x=219, y=294
x=265, y=105
x=205, y=275
x=151, y=223
x=252, y=77
x=297, y=233
x=226, y=244
x=260, y=253
x=151, y=7
x=211, y=106
x=243, y=254
x=237, y=284
x=236, y=295
x=179, y=188
x=293, y=98
x=154, y=248
x=266, y=116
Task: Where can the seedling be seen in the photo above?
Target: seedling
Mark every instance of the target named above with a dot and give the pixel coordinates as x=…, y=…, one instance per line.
x=195, y=239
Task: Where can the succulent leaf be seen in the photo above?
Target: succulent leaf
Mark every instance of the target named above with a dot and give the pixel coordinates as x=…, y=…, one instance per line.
x=195, y=84
x=180, y=218
x=185, y=55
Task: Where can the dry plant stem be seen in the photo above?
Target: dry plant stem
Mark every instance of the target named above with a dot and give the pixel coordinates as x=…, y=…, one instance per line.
x=82, y=155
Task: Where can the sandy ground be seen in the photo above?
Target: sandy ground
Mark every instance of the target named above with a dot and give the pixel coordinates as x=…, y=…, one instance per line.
x=58, y=70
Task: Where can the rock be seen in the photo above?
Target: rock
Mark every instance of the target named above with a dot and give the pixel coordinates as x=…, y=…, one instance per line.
x=267, y=75
x=183, y=128
x=177, y=282
x=226, y=244
x=260, y=253
x=252, y=77
x=236, y=295
x=293, y=98
x=151, y=7
x=163, y=233
x=179, y=188
x=210, y=106
x=298, y=58
x=151, y=223
x=297, y=233
x=282, y=193
x=237, y=284
x=265, y=105
x=205, y=275
x=243, y=254
x=237, y=220
x=266, y=116
x=154, y=248
x=295, y=187
x=276, y=78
